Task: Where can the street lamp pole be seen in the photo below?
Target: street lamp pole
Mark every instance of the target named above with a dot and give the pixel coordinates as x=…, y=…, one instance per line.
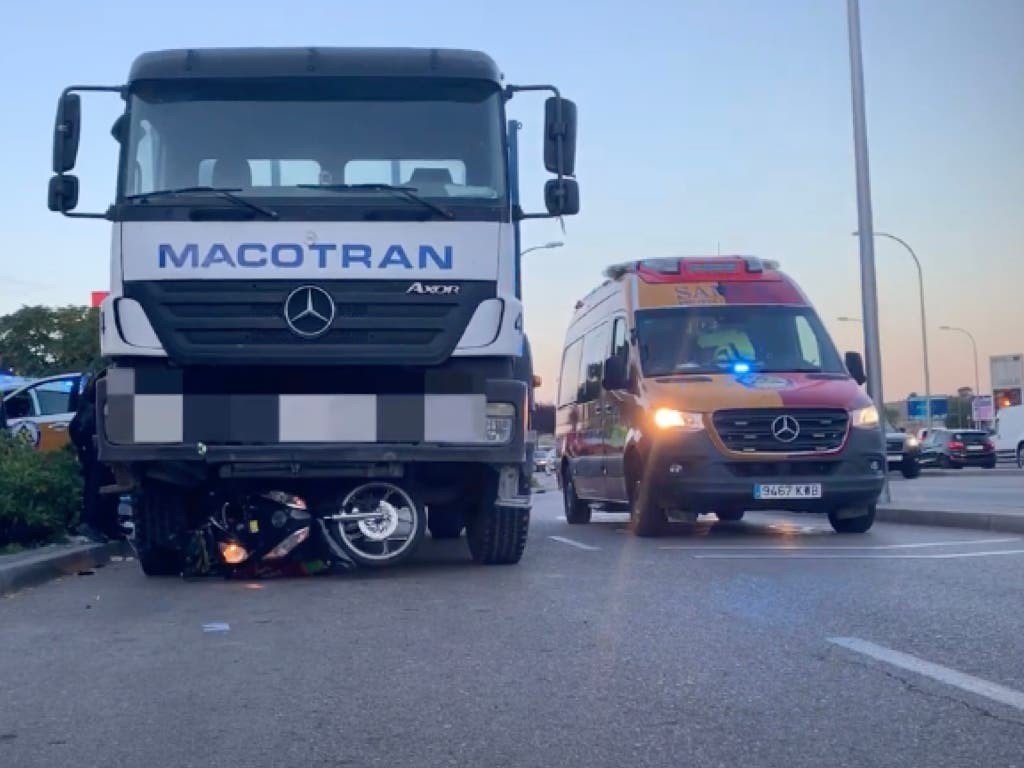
x=974, y=346
x=868, y=281
x=924, y=324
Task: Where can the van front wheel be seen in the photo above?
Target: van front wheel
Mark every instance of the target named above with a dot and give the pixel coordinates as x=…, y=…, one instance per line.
x=646, y=517
x=844, y=521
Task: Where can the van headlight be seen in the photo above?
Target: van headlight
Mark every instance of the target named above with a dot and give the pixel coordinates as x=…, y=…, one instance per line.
x=866, y=417
x=500, y=422
x=670, y=418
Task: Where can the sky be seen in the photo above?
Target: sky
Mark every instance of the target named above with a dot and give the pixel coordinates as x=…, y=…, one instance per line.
x=705, y=126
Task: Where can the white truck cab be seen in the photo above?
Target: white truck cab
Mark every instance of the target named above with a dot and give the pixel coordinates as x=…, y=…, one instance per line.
x=315, y=288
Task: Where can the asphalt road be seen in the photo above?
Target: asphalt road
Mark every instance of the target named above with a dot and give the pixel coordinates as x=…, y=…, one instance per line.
x=771, y=642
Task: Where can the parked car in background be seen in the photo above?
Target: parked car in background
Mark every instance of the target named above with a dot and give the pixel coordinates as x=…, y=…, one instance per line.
x=1008, y=433
x=903, y=452
x=958, y=448
x=39, y=413
x=545, y=460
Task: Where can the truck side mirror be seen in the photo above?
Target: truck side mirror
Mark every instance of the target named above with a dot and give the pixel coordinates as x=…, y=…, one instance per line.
x=562, y=197
x=855, y=365
x=615, y=374
x=66, y=132
x=560, y=136
x=62, y=194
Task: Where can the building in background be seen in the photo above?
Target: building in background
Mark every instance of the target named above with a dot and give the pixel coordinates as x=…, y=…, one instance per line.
x=1007, y=380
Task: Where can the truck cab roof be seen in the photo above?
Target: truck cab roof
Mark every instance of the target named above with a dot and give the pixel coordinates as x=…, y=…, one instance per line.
x=202, y=63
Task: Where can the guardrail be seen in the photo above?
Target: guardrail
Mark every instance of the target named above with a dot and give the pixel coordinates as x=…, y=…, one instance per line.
x=1006, y=457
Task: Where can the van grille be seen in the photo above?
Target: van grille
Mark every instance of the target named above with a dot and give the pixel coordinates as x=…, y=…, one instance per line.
x=753, y=430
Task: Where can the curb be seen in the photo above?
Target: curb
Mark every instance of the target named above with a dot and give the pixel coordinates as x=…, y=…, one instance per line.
x=983, y=521
x=53, y=563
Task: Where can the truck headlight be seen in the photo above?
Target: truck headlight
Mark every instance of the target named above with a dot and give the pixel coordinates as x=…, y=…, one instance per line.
x=500, y=422
x=669, y=418
x=866, y=417
x=911, y=442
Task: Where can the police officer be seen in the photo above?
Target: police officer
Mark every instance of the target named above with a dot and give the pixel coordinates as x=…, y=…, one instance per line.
x=99, y=512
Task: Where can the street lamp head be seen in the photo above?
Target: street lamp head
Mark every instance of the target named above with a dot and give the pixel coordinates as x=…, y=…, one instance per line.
x=554, y=244
x=945, y=328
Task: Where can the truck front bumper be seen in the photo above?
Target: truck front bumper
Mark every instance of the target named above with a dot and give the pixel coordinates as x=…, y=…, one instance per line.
x=142, y=420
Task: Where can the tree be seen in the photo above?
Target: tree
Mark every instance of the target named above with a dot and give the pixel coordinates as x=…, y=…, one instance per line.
x=960, y=409
x=43, y=341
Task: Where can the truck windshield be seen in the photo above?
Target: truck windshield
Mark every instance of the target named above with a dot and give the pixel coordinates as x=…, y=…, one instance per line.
x=301, y=138
x=734, y=338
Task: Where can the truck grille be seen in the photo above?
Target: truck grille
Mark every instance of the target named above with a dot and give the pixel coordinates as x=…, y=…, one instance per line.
x=242, y=322
x=752, y=430
x=894, y=446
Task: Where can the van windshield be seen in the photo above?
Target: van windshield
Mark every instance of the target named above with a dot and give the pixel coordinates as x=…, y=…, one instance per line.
x=734, y=338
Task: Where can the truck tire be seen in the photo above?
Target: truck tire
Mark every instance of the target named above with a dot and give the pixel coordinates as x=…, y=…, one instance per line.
x=160, y=517
x=446, y=522
x=859, y=524
x=577, y=511
x=497, y=536
x=1020, y=456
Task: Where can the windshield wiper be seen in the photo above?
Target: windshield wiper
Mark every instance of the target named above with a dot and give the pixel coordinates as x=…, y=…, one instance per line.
x=407, y=192
x=223, y=192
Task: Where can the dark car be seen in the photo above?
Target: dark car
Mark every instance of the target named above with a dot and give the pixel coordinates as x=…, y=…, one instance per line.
x=958, y=448
x=903, y=452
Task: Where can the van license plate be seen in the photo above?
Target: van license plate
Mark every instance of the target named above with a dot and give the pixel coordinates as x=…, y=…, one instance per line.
x=801, y=491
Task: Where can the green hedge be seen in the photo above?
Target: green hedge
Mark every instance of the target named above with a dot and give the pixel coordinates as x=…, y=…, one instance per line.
x=40, y=493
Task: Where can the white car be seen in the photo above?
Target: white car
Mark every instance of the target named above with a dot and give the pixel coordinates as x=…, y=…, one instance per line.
x=40, y=411
x=1008, y=434
x=545, y=460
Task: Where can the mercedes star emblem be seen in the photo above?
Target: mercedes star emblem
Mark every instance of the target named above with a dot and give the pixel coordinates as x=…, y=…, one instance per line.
x=309, y=311
x=785, y=429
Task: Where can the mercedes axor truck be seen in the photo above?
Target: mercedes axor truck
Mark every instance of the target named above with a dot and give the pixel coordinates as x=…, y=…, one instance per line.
x=315, y=290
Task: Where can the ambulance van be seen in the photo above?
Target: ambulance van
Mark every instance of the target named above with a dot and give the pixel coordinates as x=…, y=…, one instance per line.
x=692, y=386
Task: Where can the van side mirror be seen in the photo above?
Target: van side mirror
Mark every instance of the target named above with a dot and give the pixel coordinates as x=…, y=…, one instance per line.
x=62, y=194
x=615, y=373
x=855, y=365
x=560, y=136
x=562, y=197
x=66, y=132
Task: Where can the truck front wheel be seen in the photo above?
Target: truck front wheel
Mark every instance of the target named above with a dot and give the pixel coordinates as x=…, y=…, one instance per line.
x=161, y=525
x=497, y=534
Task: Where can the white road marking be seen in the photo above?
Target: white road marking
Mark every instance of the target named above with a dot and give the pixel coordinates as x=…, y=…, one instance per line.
x=870, y=547
x=842, y=556
x=573, y=543
x=216, y=626
x=961, y=680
